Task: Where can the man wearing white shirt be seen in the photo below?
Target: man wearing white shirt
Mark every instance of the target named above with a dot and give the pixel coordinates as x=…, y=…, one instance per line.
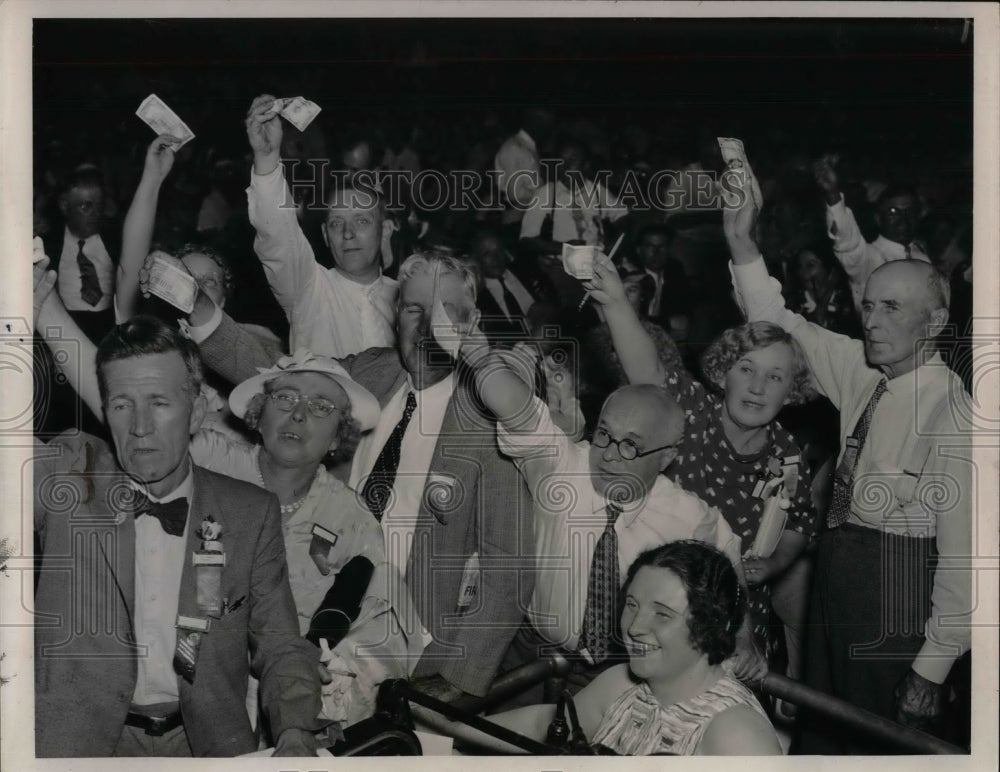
x=505, y=299
x=517, y=166
x=149, y=642
x=333, y=312
x=84, y=260
x=597, y=505
x=897, y=215
x=885, y=626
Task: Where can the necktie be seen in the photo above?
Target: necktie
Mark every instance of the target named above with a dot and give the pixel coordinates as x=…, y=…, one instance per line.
x=378, y=487
x=840, y=506
x=513, y=307
x=90, y=287
x=600, y=617
x=171, y=514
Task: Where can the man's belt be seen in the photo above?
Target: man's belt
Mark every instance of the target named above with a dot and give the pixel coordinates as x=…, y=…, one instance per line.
x=155, y=726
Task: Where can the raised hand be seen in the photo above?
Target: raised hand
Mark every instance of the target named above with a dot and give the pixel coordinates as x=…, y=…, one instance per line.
x=826, y=177
x=44, y=281
x=264, y=132
x=606, y=287
x=740, y=222
x=147, y=267
x=160, y=158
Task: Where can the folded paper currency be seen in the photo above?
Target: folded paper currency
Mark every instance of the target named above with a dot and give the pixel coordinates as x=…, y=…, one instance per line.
x=299, y=111
x=736, y=159
x=772, y=525
x=163, y=120
x=37, y=250
x=173, y=285
x=578, y=261
x=444, y=331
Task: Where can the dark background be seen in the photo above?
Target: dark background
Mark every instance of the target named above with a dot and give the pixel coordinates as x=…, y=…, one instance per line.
x=897, y=81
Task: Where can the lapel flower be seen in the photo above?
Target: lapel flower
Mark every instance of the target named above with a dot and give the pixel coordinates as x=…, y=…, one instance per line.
x=210, y=530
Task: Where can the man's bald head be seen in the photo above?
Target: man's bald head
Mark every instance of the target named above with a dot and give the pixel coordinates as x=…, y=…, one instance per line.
x=917, y=272
x=904, y=306
x=651, y=420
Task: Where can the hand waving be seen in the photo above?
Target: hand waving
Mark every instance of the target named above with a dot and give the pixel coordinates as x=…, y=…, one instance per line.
x=264, y=132
x=160, y=157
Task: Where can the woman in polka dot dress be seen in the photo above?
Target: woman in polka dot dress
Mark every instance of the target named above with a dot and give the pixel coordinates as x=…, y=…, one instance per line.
x=733, y=453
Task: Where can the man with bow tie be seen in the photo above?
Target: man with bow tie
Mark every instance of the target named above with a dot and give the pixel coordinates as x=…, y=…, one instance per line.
x=162, y=585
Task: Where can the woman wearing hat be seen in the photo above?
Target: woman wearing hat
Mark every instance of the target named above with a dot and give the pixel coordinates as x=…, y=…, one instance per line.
x=307, y=410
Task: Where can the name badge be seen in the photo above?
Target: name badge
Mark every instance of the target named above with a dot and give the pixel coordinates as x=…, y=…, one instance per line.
x=469, y=588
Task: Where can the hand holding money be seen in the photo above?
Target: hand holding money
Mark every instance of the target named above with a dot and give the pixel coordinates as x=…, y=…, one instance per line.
x=739, y=223
x=264, y=131
x=160, y=157
x=168, y=278
x=606, y=286
x=827, y=179
x=161, y=119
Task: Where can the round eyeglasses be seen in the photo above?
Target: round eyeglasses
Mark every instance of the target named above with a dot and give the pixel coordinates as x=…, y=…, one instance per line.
x=626, y=448
x=286, y=400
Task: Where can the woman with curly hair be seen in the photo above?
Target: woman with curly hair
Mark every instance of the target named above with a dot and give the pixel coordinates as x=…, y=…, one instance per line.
x=733, y=454
x=682, y=607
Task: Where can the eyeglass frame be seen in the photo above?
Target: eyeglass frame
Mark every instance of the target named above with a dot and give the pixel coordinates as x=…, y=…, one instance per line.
x=311, y=402
x=618, y=445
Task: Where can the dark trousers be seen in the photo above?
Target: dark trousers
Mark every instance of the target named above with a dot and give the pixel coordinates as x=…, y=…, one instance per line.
x=871, y=596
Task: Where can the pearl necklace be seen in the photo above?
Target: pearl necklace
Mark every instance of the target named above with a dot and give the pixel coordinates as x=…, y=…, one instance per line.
x=286, y=509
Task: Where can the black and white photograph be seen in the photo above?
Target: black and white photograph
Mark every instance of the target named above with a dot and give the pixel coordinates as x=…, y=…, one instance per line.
x=482, y=379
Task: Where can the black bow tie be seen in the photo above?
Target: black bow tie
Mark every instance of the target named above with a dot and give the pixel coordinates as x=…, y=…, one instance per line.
x=171, y=514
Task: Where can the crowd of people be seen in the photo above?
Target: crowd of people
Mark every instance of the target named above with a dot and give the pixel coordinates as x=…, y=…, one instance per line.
x=419, y=446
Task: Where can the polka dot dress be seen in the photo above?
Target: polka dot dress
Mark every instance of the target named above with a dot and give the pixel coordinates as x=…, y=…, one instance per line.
x=708, y=466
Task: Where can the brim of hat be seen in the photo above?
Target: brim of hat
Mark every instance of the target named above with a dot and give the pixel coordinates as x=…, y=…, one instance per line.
x=364, y=407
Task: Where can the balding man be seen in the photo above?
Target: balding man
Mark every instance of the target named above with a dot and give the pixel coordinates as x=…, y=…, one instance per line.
x=885, y=627
x=597, y=504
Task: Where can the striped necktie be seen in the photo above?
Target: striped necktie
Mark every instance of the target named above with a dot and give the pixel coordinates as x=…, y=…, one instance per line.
x=840, y=506
x=90, y=285
x=600, y=618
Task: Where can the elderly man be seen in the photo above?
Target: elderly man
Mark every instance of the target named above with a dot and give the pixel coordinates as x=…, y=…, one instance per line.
x=597, y=505
x=162, y=585
x=885, y=627
x=897, y=215
x=455, y=513
x=333, y=312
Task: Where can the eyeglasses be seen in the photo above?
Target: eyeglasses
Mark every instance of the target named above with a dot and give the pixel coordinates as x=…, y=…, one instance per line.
x=626, y=448
x=286, y=401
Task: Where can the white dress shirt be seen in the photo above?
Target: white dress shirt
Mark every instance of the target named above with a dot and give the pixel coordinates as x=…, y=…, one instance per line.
x=576, y=215
x=70, y=282
x=416, y=450
x=517, y=165
x=570, y=517
x=159, y=562
x=858, y=257
x=518, y=290
x=914, y=474
x=328, y=313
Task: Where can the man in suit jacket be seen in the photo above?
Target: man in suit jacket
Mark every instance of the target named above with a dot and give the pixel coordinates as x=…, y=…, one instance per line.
x=162, y=585
x=450, y=494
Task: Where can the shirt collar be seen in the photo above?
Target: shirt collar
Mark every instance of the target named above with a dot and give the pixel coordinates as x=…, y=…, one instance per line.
x=891, y=248
x=439, y=391
x=630, y=511
x=184, y=490
x=68, y=236
x=932, y=367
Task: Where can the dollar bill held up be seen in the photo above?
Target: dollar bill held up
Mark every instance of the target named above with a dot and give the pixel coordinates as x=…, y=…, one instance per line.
x=578, y=261
x=37, y=250
x=445, y=333
x=299, y=111
x=163, y=120
x=736, y=159
x=173, y=285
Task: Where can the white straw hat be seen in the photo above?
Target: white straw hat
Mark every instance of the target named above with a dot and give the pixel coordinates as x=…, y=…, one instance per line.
x=364, y=406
